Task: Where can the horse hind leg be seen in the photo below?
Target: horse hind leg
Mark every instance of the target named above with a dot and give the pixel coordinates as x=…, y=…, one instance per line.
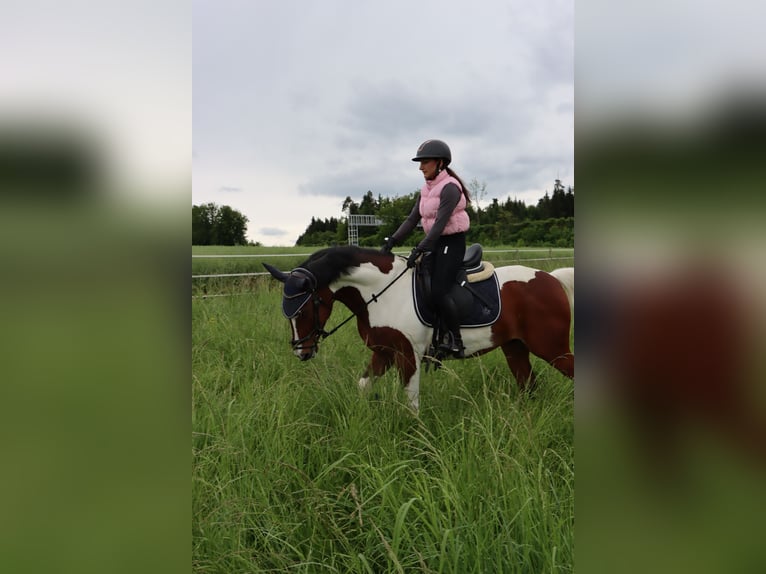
x=565, y=364
x=517, y=356
x=554, y=349
x=549, y=340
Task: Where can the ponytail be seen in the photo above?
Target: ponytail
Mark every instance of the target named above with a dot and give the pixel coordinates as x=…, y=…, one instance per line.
x=457, y=177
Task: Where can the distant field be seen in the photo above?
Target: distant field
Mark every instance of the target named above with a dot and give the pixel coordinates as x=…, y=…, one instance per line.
x=294, y=470
x=246, y=260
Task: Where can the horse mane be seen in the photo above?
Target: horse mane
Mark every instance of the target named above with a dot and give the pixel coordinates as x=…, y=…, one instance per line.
x=330, y=263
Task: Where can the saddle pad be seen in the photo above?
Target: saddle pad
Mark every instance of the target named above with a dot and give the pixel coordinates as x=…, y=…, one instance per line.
x=486, y=272
x=481, y=314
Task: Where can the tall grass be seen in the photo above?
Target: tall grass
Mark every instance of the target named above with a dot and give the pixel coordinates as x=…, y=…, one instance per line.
x=295, y=470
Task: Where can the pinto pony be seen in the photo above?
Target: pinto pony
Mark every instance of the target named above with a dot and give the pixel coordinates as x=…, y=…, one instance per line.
x=534, y=313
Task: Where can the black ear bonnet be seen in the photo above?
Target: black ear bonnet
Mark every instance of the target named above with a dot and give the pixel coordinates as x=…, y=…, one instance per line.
x=299, y=287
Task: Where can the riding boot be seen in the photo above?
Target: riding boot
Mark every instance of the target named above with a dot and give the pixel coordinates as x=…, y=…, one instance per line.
x=458, y=350
x=451, y=318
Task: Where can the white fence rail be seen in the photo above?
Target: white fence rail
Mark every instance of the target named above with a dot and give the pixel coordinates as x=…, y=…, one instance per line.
x=548, y=250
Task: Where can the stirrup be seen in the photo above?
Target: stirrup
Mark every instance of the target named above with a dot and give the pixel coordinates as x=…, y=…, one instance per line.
x=456, y=351
x=452, y=345
x=433, y=357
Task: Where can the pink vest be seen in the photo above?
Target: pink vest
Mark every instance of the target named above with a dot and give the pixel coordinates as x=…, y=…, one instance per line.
x=430, y=196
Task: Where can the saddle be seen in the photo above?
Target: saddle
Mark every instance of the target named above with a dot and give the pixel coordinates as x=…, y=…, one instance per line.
x=475, y=269
x=476, y=291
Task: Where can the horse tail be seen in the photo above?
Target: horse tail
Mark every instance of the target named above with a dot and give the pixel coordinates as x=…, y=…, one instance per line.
x=565, y=275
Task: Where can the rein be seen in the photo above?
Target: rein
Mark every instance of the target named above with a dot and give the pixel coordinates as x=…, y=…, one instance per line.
x=324, y=334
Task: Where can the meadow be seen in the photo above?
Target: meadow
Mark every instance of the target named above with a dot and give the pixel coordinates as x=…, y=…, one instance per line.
x=295, y=470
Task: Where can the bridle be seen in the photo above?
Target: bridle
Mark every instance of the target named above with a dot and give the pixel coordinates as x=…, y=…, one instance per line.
x=317, y=333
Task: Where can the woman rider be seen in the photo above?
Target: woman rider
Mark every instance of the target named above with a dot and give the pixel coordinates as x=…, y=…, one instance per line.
x=442, y=210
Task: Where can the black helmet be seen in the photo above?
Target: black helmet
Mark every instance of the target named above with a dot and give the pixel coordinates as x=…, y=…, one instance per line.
x=434, y=149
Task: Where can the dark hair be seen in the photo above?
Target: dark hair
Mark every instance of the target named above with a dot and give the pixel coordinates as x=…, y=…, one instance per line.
x=457, y=177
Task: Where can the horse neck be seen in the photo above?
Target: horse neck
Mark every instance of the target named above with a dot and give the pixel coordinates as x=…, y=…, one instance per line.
x=362, y=283
x=366, y=278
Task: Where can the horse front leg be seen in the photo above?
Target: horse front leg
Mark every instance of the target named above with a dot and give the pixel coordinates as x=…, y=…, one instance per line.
x=379, y=364
x=412, y=386
x=407, y=366
x=391, y=348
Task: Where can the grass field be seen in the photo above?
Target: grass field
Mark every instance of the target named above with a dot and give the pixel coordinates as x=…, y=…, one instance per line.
x=294, y=470
x=249, y=259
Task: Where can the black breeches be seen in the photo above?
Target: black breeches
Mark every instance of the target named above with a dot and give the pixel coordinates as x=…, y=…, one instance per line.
x=447, y=260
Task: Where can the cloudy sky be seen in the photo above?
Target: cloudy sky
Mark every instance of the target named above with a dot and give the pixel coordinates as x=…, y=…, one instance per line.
x=298, y=105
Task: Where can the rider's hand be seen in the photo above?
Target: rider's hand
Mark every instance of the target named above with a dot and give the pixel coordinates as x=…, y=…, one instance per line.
x=388, y=245
x=414, y=254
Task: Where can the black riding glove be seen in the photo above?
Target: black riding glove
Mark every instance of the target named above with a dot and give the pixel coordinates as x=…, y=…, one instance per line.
x=414, y=254
x=388, y=245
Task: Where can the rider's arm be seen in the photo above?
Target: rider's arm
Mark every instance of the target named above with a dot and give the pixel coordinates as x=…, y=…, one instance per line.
x=408, y=224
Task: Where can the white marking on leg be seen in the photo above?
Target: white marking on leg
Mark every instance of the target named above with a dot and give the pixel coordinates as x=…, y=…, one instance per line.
x=413, y=391
x=365, y=383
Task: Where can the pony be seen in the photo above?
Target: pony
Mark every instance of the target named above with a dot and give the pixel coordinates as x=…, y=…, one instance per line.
x=524, y=310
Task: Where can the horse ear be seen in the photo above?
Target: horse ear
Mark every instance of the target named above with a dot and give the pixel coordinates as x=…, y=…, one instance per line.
x=276, y=273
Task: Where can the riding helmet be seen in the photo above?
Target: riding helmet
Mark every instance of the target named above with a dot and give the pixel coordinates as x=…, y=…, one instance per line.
x=434, y=149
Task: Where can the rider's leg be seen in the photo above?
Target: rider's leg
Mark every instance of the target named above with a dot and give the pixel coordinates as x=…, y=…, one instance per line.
x=451, y=317
x=448, y=259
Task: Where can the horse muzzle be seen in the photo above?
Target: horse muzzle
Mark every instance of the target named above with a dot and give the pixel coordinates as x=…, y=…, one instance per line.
x=305, y=350
x=307, y=347
x=305, y=354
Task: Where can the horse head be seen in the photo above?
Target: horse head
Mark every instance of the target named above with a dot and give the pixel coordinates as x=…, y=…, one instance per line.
x=307, y=306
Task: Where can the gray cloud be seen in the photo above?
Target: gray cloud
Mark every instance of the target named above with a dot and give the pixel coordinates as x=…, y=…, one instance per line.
x=322, y=108
x=393, y=111
x=355, y=183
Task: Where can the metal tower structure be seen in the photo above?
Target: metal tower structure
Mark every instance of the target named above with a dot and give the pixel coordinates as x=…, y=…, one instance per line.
x=354, y=221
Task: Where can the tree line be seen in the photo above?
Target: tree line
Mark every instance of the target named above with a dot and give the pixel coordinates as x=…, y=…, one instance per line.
x=218, y=225
x=548, y=223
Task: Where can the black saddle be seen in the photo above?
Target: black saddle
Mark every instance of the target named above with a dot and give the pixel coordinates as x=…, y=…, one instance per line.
x=472, y=262
x=476, y=291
